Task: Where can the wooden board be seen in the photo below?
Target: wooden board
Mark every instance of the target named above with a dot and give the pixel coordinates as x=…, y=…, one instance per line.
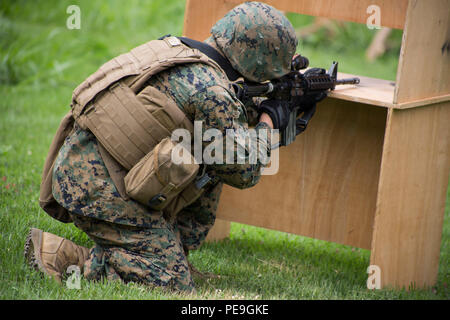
x=378, y=92
x=219, y=231
x=339, y=181
x=424, y=65
x=392, y=12
x=327, y=182
x=412, y=193
x=371, y=91
x=201, y=15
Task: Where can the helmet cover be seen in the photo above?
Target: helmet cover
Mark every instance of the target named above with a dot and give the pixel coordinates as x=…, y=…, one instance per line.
x=257, y=39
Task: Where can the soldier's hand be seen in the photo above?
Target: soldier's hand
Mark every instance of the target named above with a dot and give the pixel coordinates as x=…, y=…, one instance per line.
x=278, y=111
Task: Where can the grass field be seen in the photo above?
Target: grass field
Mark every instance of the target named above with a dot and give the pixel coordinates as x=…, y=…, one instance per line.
x=41, y=62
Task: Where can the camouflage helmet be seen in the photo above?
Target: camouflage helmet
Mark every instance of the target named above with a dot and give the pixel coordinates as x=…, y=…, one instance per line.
x=258, y=40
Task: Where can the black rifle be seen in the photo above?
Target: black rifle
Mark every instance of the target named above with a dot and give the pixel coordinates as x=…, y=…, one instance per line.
x=301, y=90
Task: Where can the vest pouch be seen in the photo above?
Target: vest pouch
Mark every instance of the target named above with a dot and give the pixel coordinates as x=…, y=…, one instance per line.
x=186, y=197
x=156, y=180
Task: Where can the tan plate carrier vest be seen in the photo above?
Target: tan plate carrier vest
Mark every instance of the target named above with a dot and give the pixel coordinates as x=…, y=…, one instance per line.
x=128, y=128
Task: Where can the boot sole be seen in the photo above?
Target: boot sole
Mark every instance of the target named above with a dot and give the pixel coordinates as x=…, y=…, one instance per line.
x=32, y=251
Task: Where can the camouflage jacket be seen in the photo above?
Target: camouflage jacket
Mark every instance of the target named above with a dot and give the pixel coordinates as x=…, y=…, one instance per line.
x=204, y=94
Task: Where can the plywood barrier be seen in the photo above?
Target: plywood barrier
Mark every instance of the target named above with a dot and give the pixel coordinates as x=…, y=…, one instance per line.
x=372, y=169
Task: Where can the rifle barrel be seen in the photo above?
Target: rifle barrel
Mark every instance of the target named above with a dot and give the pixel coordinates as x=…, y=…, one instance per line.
x=347, y=81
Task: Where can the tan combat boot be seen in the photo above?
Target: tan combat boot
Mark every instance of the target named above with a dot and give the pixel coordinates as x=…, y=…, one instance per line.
x=51, y=254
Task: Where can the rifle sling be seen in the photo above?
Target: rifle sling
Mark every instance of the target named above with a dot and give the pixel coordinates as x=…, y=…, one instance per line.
x=212, y=53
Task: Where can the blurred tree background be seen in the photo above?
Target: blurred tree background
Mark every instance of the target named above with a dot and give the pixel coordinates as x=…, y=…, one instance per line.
x=37, y=47
x=326, y=40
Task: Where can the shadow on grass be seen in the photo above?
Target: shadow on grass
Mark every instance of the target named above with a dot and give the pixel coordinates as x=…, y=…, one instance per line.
x=285, y=267
x=292, y=267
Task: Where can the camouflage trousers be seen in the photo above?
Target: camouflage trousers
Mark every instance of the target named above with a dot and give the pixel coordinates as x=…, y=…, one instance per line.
x=132, y=242
x=150, y=256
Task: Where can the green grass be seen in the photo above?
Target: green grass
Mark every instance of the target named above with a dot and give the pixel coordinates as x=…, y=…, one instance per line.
x=41, y=62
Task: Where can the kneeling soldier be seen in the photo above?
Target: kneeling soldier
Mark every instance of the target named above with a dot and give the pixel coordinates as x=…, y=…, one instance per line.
x=107, y=169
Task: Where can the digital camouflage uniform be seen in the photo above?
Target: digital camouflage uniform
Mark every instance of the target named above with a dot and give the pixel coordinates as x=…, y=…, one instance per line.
x=132, y=242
